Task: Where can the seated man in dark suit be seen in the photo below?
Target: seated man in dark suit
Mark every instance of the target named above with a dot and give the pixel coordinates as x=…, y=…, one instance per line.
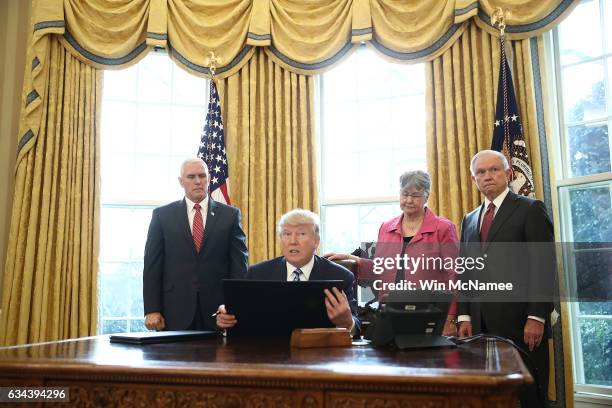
x=299, y=235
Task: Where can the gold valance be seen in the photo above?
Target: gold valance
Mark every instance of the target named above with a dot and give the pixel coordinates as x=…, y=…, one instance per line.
x=305, y=37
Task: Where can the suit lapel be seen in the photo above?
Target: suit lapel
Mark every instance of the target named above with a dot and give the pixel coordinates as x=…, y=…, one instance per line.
x=317, y=271
x=280, y=269
x=211, y=219
x=503, y=214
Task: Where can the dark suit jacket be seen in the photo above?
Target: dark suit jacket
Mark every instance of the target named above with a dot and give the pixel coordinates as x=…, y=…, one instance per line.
x=174, y=272
x=323, y=269
x=519, y=219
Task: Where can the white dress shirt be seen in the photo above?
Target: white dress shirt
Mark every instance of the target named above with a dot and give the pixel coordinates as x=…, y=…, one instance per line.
x=191, y=212
x=306, y=270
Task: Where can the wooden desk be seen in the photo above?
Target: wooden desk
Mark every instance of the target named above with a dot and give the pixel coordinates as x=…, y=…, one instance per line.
x=246, y=373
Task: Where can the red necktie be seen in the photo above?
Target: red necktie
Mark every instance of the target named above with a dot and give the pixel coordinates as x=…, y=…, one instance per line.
x=198, y=227
x=486, y=222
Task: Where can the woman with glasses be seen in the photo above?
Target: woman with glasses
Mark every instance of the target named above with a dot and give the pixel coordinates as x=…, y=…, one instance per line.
x=422, y=245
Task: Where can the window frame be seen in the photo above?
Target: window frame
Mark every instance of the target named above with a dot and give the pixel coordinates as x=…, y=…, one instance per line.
x=558, y=147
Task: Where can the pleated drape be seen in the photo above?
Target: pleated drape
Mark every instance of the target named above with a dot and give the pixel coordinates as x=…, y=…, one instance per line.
x=50, y=279
x=269, y=120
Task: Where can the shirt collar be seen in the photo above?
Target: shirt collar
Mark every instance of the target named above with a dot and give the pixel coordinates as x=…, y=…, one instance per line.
x=306, y=269
x=203, y=204
x=497, y=200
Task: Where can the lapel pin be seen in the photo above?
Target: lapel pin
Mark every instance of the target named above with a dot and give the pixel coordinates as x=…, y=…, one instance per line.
x=212, y=213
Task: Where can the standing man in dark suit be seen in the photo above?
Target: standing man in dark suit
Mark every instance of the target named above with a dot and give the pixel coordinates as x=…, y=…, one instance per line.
x=299, y=235
x=192, y=245
x=506, y=217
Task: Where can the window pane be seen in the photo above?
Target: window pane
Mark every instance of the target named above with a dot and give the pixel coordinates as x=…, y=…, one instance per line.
x=113, y=326
x=187, y=121
x=583, y=92
x=187, y=89
x=118, y=242
x=607, y=6
x=121, y=84
x=118, y=127
x=155, y=79
x=580, y=33
x=589, y=149
x=373, y=126
x=591, y=213
x=347, y=226
x=596, y=336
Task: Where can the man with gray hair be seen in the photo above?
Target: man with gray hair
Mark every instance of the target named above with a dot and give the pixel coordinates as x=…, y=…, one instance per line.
x=192, y=245
x=506, y=218
x=299, y=235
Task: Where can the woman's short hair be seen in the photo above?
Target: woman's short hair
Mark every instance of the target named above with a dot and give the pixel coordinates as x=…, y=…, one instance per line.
x=299, y=216
x=418, y=179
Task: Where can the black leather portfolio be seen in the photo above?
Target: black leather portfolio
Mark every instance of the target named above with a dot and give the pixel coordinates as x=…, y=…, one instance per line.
x=264, y=307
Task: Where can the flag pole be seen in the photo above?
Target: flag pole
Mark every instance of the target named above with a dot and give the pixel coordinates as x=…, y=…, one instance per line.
x=211, y=62
x=498, y=19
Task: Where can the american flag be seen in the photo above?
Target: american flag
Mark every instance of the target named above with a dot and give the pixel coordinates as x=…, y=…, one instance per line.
x=212, y=149
x=508, y=131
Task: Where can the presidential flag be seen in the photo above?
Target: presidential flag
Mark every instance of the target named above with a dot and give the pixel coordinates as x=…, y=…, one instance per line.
x=508, y=132
x=212, y=149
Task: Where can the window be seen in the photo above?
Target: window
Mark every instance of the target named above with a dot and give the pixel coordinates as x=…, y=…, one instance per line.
x=583, y=57
x=152, y=118
x=372, y=130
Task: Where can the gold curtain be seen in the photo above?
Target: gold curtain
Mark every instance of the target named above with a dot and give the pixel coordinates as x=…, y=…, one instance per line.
x=51, y=268
x=268, y=114
x=460, y=98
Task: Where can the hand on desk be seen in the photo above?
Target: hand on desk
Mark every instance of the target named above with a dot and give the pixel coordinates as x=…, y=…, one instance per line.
x=450, y=328
x=224, y=319
x=338, y=309
x=465, y=329
x=155, y=321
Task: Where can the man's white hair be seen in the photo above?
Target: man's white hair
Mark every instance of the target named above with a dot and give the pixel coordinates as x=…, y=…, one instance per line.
x=192, y=160
x=486, y=152
x=299, y=216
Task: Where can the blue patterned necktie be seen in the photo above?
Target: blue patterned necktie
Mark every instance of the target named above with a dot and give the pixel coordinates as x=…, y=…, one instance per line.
x=296, y=275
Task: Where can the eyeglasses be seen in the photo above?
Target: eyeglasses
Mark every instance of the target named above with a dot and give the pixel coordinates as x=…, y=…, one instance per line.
x=413, y=195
